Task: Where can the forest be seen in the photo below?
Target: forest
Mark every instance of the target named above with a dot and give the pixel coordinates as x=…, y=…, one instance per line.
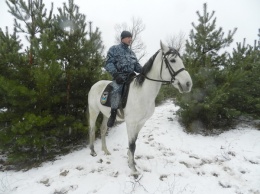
x=44, y=87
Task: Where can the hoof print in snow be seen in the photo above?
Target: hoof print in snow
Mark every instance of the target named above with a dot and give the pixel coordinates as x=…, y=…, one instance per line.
x=193, y=156
x=137, y=157
x=46, y=182
x=64, y=173
x=201, y=173
x=163, y=177
x=79, y=168
x=224, y=185
x=114, y=174
x=149, y=157
x=170, y=119
x=168, y=154
x=66, y=190
x=100, y=161
x=100, y=169
x=146, y=170
x=253, y=162
x=152, y=145
x=231, y=153
x=185, y=164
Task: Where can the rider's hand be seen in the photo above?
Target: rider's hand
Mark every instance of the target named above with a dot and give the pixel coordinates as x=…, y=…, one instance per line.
x=118, y=78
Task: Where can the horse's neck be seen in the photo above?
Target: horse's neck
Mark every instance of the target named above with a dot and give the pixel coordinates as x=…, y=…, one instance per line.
x=153, y=87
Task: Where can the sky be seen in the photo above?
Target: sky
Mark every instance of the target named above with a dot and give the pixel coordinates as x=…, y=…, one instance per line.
x=168, y=159
x=162, y=18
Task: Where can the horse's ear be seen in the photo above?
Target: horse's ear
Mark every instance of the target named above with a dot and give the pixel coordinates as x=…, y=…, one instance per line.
x=163, y=47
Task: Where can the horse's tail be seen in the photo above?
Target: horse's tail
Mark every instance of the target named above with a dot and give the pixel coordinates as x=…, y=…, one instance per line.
x=88, y=127
x=87, y=115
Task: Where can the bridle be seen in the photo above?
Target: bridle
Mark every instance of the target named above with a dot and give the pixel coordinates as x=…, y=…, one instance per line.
x=167, y=63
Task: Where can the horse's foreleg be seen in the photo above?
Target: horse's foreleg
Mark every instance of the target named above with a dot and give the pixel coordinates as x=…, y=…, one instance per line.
x=132, y=137
x=131, y=161
x=103, y=135
x=132, y=131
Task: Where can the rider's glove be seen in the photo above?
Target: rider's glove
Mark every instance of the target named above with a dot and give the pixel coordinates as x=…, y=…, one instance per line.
x=118, y=78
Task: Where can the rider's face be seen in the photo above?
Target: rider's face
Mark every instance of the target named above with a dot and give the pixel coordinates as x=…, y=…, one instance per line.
x=127, y=40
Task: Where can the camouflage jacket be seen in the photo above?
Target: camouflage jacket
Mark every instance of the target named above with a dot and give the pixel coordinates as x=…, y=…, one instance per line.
x=120, y=59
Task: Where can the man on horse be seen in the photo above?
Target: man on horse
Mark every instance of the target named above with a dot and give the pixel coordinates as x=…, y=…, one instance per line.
x=120, y=62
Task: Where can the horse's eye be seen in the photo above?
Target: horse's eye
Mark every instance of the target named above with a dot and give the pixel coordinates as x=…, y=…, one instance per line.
x=173, y=60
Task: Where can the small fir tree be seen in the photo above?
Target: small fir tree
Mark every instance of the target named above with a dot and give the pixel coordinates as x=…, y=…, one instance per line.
x=202, y=107
x=243, y=75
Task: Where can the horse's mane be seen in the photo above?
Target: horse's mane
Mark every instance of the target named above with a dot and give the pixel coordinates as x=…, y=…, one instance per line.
x=146, y=68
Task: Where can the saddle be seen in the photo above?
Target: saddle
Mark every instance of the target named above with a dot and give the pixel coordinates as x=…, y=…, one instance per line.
x=106, y=95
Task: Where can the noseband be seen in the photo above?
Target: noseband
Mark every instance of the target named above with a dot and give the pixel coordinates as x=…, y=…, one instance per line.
x=167, y=63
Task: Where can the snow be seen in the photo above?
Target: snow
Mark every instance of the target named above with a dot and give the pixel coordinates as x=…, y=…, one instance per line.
x=169, y=160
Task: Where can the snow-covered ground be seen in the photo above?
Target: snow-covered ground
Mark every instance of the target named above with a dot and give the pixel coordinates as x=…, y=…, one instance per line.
x=170, y=161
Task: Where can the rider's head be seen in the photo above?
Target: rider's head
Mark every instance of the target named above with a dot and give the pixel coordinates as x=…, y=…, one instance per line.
x=126, y=37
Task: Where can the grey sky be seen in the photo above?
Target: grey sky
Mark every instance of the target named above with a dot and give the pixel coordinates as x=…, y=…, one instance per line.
x=162, y=18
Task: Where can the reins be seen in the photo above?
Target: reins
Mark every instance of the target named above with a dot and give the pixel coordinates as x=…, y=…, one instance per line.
x=171, y=71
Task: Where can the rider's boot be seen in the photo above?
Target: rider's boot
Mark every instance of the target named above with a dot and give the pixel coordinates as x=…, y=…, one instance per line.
x=112, y=118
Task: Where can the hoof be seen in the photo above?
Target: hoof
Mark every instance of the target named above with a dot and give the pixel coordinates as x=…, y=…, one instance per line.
x=135, y=174
x=106, y=152
x=94, y=154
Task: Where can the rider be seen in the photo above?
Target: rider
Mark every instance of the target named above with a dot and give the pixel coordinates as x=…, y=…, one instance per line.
x=120, y=62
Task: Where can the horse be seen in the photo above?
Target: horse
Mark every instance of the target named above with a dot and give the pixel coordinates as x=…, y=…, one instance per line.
x=165, y=66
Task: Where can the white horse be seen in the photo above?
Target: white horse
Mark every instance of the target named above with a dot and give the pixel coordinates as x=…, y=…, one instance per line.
x=165, y=66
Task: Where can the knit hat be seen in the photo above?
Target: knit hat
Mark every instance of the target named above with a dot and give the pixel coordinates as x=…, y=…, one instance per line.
x=125, y=34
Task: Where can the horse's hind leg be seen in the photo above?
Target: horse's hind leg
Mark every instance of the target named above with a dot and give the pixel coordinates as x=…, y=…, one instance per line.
x=93, y=114
x=103, y=135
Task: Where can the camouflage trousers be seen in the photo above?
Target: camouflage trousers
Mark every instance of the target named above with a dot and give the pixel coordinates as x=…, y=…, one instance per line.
x=116, y=95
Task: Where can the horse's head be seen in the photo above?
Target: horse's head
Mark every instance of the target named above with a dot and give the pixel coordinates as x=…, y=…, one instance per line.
x=174, y=70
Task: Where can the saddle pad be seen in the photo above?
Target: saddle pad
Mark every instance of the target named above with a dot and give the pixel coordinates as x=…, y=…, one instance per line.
x=106, y=97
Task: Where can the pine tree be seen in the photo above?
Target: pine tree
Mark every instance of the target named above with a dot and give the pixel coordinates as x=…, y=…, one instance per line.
x=25, y=92
x=80, y=55
x=202, y=108
x=44, y=111
x=33, y=15
x=11, y=87
x=244, y=69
